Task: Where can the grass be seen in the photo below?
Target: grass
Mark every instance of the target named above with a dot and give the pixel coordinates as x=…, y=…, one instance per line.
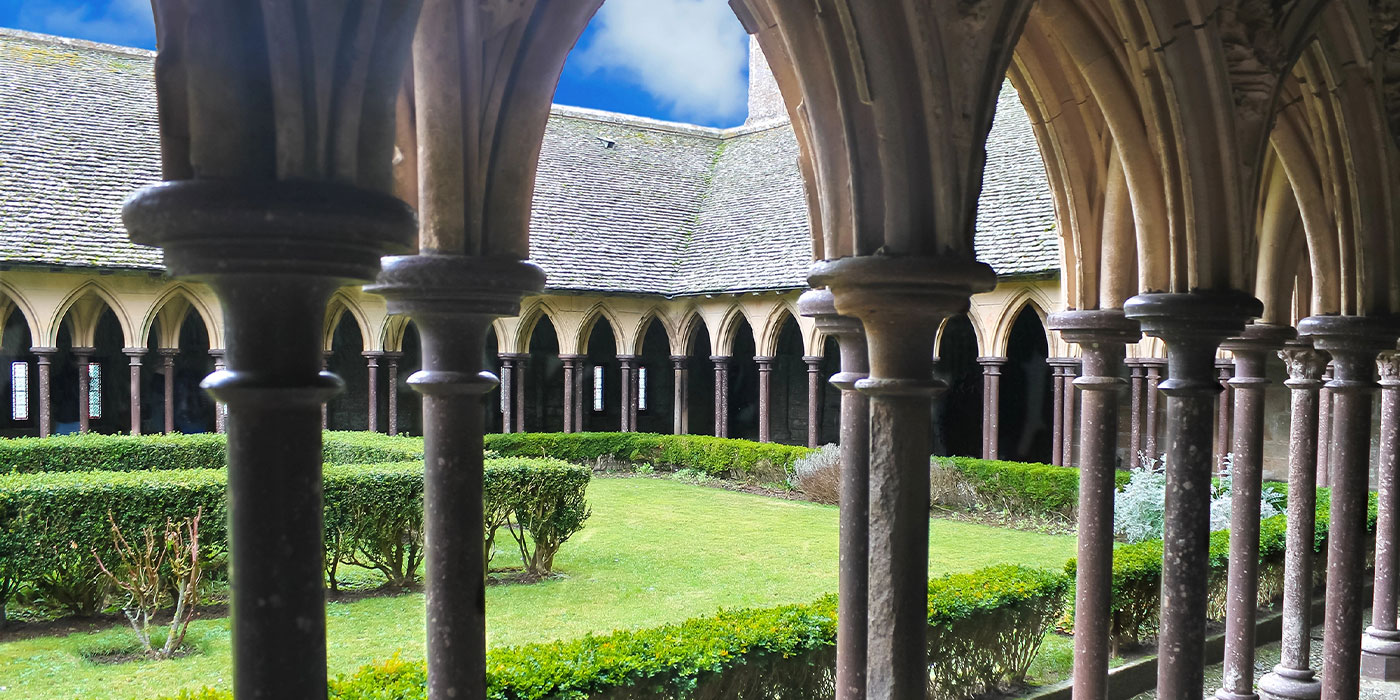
x=654, y=551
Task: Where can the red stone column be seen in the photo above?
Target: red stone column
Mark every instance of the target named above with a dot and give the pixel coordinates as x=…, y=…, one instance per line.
x=1250, y=350
x=134, y=356
x=45, y=356
x=721, y=363
x=1324, y=431
x=1102, y=337
x=507, y=392
x=1293, y=678
x=852, y=606
x=167, y=360
x=680, y=409
x=372, y=368
x=628, y=412
x=1153, y=401
x=1354, y=342
x=765, y=398
x=991, y=405
x=1380, y=647
x=1071, y=370
x=814, y=399
x=83, y=356
x=220, y=409
x=1057, y=432
x=392, y=360
x=522, y=360
x=1138, y=383
x=1224, y=369
x=1192, y=325
x=573, y=367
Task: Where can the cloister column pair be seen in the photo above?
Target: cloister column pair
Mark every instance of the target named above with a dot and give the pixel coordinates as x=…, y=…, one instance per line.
x=1380, y=647
x=574, y=368
x=722, y=364
x=1062, y=374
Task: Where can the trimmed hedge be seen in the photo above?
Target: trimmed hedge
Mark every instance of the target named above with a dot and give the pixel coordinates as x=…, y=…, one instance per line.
x=717, y=457
x=984, y=629
x=52, y=523
x=94, y=452
x=1031, y=488
x=1137, y=572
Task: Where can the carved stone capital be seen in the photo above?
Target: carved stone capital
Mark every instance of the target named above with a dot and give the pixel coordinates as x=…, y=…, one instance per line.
x=1305, y=365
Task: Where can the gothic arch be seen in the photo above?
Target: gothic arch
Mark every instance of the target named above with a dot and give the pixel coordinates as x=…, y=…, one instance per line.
x=16, y=302
x=529, y=317
x=691, y=320
x=102, y=294
x=767, y=336
x=590, y=318
x=1001, y=331
x=652, y=314
x=180, y=292
x=341, y=304
x=983, y=342
x=392, y=330
x=728, y=327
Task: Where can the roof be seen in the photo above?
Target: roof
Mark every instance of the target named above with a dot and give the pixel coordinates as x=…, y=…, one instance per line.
x=622, y=204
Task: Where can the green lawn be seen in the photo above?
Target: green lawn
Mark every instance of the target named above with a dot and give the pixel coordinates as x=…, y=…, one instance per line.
x=654, y=551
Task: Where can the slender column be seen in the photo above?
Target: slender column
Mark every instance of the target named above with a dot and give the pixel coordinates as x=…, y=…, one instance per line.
x=372, y=368
x=1380, y=647
x=220, y=410
x=1057, y=433
x=628, y=411
x=1353, y=342
x=853, y=581
x=573, y=367
x=1139, y=385
x=1293, y=678
x=1324, y=431
x=522, y=360
x=1102, y=337
x=44, y=357
x=325, y=405
x=1224, y=370
x=991, y=405
x=84, y=359
x=167, y=359
x=507, y=380
x=1192, y=325
x=721, y=395
x=765, y=398
x=453, y=298
x=814, y=399
x=1153, y=402
x=1070, y=368
x=900, y=302
x=391, y=359
x=579, y=395
x=679, y=409
x=1250, y=350
x=134, y=356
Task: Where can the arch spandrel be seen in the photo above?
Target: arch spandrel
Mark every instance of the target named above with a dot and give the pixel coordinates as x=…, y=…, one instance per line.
x=81, y=307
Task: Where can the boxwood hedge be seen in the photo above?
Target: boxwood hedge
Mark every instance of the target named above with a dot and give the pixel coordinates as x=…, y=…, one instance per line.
x=1029, y=488
x=718, y=457
x=984, y=629
x=94, y=452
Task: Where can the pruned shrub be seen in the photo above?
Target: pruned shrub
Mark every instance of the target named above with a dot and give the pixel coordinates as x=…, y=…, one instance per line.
x=149, y=570
x=1022, y=488
x=374, y=519
x=718, y=457
x=818, y=474
x=984, y=628
x=545, y=499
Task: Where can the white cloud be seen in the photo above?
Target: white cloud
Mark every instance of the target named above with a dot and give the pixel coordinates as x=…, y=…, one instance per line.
x=125, y=22
x=688, y=54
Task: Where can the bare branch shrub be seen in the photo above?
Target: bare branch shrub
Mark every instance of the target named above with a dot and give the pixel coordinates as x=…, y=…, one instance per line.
x=818, y=474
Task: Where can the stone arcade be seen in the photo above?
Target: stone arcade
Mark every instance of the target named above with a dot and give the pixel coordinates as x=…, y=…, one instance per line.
x=1222, y=175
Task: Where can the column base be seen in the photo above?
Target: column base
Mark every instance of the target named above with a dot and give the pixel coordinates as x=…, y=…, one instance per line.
x=1290, y=684
x=1380, y=655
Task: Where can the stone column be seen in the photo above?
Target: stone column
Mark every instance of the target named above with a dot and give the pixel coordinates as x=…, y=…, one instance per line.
x=1071, y=371
x=44, y=357
x=167, y=360
x=1192, y=325
x=1138, y=382
x=325, y=405
x=391, y=359
x=814, y=399
x=765, y=398
x=372, y=369
x=580, y=396
x=1153, y=402
x=628, y=411
x=1293, y=678
x=1380, y=647
x=852, y=607
x=1224, y=370
x=134, y=356
x=1250, y=350
x=573, y=368
x=83, y=356
x=522, y=360
x=220, y=410
x=507, y=380
x=1102, y=337
x=721, y=363
x=900, y=301
x=679, y=409
x=1353, y=342
x=991, y=405
x=1057, y=432
x=1324, y=431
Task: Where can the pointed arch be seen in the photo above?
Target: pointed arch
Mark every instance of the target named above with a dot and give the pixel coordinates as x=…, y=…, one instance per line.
x=977, y=330
x=1020, y=300
x=728, y=327
x=174, y=292
x=767, y=340
x=599, y=310
x=18, y=302
x=103, y=294
x=653, y=314
x=392, y=330
x=340, y=304
x=691, y=320
x=530, y=317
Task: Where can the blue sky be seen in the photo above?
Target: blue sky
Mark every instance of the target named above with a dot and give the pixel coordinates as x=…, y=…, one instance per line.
x=680, y=60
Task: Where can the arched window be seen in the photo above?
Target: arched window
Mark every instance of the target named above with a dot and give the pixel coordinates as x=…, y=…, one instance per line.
x=598, y=406
x=19, y=391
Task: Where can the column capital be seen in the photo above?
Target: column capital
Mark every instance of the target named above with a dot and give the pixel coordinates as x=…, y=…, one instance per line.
x=172, y=352
x=820, y=305
x=213, y=352
x=721, y=360
x=393, y=355
x=513, y=355
x=814, y=362
x=679, y=361
x=372, y=354
x=627, y=361
x=1388, y=365
x=1095, y=327
x=43, y=352
x=764, y=362
x=572, y=357
x=83, y=352
x=1305, y=365
x=991, y=361
x=1193, y=324
x=1353, y=342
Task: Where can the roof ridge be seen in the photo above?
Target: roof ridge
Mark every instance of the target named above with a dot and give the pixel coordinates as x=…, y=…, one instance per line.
x=53, y=39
